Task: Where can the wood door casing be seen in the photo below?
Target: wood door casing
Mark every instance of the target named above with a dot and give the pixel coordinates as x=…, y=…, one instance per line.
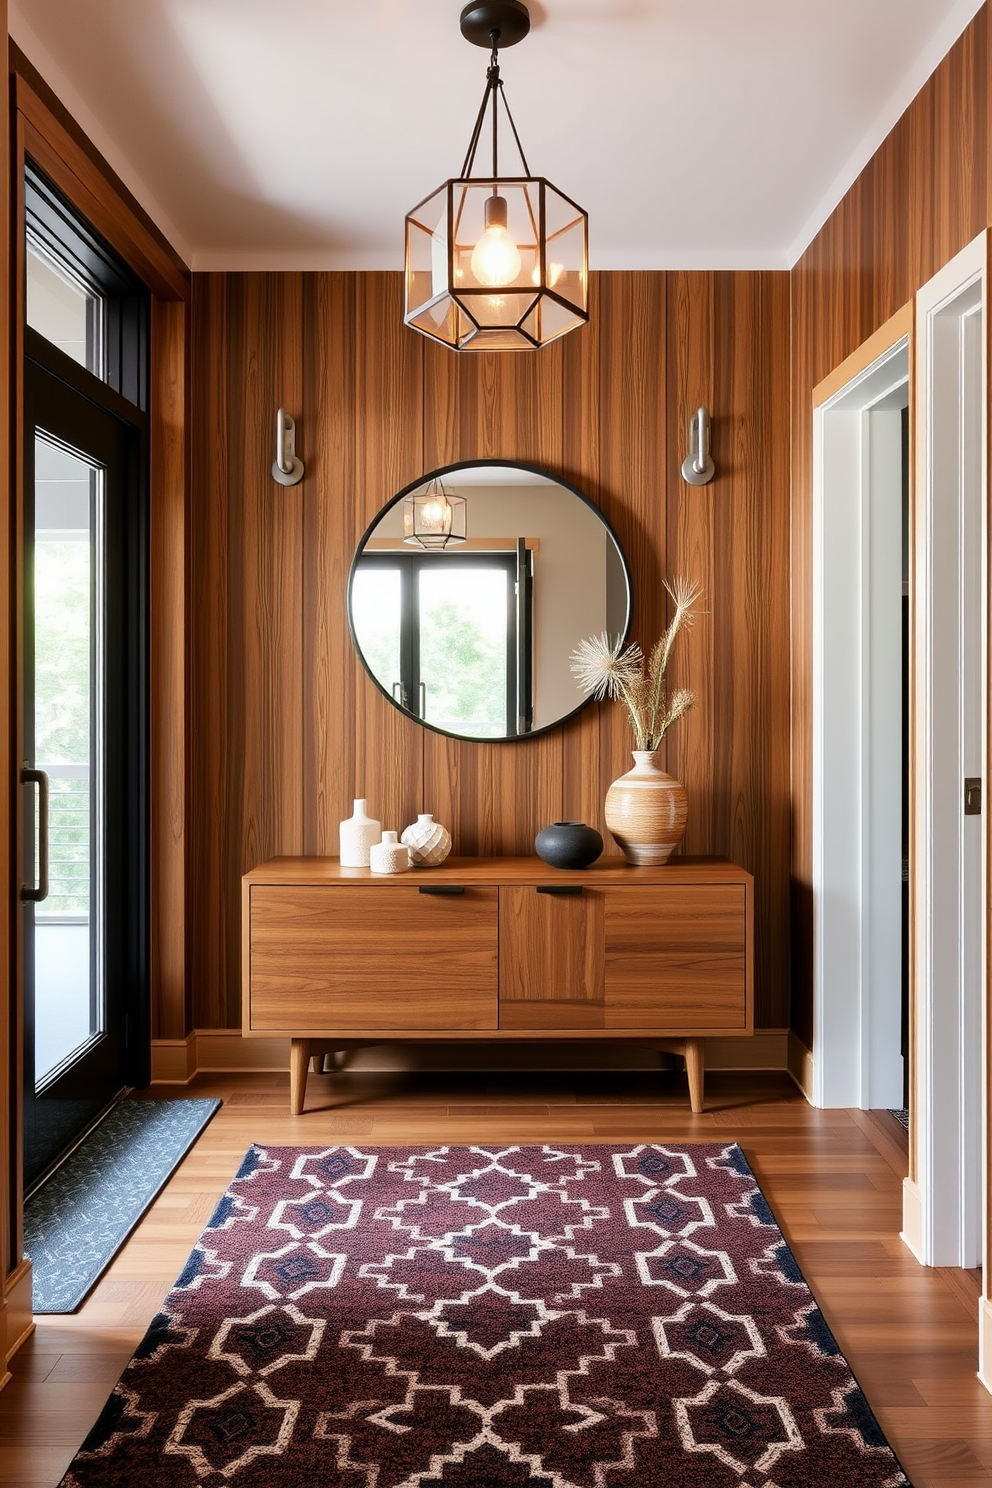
x=676, y=958
x=336, y=958
x=672, y=958
x=551, y=958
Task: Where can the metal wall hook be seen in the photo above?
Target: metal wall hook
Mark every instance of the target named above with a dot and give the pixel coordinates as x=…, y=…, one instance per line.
x=697, y=467
x=286, y=468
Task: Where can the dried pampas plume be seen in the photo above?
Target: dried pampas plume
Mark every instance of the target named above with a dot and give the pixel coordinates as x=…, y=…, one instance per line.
x=605, y=668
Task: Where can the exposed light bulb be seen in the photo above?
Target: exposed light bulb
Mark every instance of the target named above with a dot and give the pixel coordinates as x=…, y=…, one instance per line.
x=434, y=514
x=495, y=257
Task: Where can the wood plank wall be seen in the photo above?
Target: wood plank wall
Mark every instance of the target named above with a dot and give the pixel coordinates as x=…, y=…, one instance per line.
x=286, y=728
x=925, y=194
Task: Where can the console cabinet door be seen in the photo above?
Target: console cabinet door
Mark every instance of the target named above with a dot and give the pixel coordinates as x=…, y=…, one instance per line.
x=551, y=958
x=675, y=957
x=669, y=958
x=337, y=958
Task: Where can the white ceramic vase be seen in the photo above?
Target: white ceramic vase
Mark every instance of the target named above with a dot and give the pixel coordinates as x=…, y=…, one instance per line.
x=389, y=855
x=428, y=841
x=356, y=836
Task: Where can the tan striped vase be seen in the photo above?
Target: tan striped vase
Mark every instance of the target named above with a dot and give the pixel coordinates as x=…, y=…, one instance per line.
x=646, y=811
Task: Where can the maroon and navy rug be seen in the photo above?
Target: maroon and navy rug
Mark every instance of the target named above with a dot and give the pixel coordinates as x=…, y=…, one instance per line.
x=485, y=1317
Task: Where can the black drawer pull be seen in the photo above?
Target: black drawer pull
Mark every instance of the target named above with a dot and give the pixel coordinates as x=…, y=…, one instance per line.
x=563, y=889
x=441, y=889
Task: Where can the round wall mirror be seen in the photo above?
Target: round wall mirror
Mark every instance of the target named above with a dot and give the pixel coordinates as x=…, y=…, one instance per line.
x=470, y=591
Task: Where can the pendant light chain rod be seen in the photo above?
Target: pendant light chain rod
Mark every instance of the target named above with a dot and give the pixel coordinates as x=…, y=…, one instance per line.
x=473, y=143
x=516, y=136
x=493, y=79
x=495, y=89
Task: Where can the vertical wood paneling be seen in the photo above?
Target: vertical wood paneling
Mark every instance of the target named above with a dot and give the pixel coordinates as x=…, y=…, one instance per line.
x=168, y=734
x=289, y=728
x=388, y=434
x=210, y=906
x=327, y=435
x=925, y=194
x=633, y=422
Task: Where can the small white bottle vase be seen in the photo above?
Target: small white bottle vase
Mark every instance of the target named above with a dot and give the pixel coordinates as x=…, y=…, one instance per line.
x=356, y=836
x=428, y=841
x=389, y=855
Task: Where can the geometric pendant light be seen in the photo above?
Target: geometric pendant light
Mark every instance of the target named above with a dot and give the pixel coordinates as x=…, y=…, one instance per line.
x=496, y=262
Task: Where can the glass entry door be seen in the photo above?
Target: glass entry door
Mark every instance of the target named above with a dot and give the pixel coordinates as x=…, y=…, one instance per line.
x=77, y=783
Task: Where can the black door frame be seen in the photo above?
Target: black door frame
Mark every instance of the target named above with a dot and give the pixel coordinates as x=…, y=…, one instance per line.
x=81, y=412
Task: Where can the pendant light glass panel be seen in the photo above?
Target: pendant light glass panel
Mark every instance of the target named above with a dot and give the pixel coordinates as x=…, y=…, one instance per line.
x=496, y=264
x=434, y=518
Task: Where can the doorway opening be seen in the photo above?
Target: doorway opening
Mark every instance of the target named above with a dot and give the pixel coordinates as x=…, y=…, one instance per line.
x=861, y=730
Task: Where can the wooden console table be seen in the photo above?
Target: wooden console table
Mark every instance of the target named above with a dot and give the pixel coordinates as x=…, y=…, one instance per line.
x=498, y=948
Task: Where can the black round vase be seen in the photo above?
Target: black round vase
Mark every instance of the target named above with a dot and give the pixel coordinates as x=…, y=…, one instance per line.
x=568, y=845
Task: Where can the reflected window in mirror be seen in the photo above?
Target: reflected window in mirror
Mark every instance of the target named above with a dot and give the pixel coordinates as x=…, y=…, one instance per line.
x=475, y=640
x=439, y=634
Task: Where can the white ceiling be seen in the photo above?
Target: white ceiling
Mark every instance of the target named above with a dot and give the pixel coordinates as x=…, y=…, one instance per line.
x=297, y=133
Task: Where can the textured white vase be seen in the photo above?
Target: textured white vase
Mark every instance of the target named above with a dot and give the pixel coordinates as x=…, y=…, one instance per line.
x=389, y=855
x=356, y=836
x=428, y=841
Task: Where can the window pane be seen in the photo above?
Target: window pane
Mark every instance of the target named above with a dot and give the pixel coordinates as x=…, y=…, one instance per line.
x=63, y=308
x=463, y=629
x=375, y=609
x=68, y=1009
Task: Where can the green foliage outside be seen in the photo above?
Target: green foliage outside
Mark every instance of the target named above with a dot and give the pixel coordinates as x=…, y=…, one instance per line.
x=464, y=668
x=62, y=713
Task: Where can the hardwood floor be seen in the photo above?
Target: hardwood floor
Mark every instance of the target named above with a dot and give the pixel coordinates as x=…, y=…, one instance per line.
x=833, y=1179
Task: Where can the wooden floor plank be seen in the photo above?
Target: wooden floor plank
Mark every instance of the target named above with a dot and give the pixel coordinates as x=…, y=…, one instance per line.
x=833, y=1178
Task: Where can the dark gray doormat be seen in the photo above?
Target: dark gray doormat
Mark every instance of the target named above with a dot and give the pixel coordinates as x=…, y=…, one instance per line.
x=78, y=1220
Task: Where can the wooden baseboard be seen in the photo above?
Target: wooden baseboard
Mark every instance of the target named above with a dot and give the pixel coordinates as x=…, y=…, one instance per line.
x=799, y=1061
x=17, y=1312
x=216, y=1050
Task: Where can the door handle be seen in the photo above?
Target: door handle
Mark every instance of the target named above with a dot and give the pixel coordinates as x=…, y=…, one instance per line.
x=40, y=779
x=562, y=890
x=441, y=889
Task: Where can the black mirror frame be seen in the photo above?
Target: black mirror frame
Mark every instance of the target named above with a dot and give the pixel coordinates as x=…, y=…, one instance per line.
x=447, y=470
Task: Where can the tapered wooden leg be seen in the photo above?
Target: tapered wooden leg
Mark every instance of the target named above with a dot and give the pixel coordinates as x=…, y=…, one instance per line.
x=299, y=1068
x=695, y=1068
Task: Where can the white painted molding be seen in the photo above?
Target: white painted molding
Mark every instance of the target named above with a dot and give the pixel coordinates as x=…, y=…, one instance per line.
x=911, y=1234
x=985, y=1342
x=949, y=1101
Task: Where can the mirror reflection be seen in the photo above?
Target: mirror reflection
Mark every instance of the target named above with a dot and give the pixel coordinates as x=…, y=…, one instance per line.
x=470, y=591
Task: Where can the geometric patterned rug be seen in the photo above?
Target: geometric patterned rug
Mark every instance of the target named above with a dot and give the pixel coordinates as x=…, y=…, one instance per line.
x=486, y=1317
x=76, y=1222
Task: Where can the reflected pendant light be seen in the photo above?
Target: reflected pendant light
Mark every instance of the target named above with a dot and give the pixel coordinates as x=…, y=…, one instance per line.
x=434, y=518
x=496, y=262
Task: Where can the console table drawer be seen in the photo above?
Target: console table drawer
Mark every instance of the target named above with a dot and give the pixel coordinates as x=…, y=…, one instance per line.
x=344, y=957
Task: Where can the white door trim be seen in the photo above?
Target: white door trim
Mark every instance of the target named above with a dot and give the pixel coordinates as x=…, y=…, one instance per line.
x=944, y=1204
